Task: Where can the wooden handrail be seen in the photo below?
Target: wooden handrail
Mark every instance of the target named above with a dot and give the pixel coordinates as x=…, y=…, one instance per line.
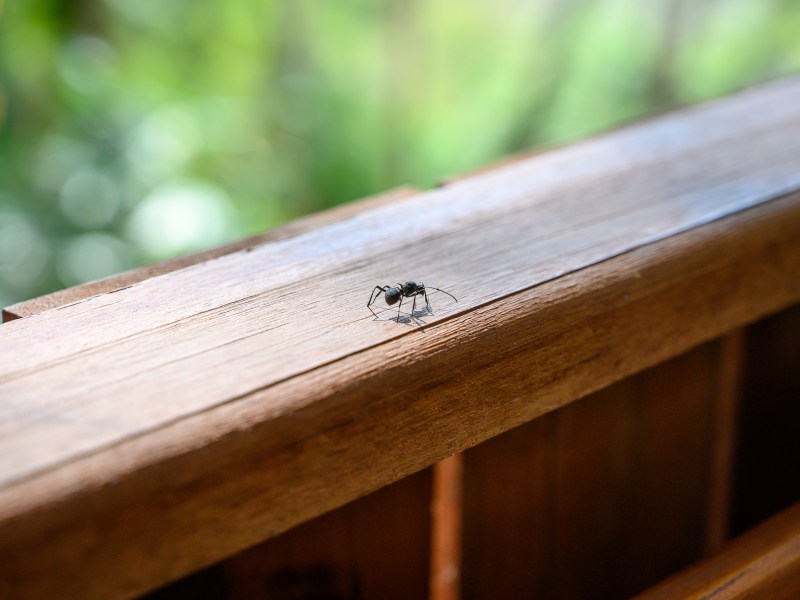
x=158, y=428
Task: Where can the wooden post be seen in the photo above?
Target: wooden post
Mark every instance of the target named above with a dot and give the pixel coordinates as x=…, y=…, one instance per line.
x=446, y=533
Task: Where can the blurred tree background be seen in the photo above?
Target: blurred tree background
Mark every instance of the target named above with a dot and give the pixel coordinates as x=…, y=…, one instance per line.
x=135, y=130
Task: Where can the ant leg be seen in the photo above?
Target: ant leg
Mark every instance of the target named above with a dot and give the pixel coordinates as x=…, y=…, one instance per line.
x=414, y=305
x=371, y=299
x=427, y=302
x=380, y=289
x=398, y=307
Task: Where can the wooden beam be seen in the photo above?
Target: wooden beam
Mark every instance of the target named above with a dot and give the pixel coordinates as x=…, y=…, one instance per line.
x=221, y=404
x=762, y=563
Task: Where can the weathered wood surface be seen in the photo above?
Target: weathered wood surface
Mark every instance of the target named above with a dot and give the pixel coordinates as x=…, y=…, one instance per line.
x=762, y=563
x=223, y=403
x=117, y=282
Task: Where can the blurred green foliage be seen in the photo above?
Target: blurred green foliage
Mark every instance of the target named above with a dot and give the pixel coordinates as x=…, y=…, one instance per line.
x=134, y=130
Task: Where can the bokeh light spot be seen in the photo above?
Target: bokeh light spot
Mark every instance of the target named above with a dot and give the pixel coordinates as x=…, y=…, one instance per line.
x=92, y=256
x=24, y=251
x=164, y=142
x=182, y=216
x=57, y=158
x=87, y=64
x=90, y=199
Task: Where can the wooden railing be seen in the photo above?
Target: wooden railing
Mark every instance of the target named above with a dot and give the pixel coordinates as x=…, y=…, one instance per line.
x=162, y=422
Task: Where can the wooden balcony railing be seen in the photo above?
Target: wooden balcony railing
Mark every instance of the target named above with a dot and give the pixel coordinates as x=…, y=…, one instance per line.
x=213, y=421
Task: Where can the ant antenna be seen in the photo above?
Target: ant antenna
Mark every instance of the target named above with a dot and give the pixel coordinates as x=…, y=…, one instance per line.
x=438, y=290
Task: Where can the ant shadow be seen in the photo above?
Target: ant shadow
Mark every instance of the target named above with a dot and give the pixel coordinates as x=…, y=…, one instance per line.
x=404, y=318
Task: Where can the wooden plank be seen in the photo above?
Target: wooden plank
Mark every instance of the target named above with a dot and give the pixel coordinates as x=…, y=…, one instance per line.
x=762, y=563
x=673, y=433
x=123, y=280
x=508, y=512
x=769, y=430
x=201, y=400
x=599, y=499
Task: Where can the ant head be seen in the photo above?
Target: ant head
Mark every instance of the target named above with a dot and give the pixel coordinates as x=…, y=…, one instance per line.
x=393, y=295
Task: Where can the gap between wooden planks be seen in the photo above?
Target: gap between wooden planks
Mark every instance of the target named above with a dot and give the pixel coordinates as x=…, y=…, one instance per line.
x=246, y=347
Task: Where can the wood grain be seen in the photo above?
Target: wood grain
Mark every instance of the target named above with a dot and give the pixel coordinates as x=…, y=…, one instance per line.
x=236, y=398
x=508, y=513
x=600, y=499
x=123, y=280
x=762, y=563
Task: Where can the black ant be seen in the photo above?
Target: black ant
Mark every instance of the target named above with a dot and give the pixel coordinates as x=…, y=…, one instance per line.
x=409, y=289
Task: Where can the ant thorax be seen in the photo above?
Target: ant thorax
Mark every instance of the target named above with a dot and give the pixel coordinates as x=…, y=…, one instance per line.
x=409, y=287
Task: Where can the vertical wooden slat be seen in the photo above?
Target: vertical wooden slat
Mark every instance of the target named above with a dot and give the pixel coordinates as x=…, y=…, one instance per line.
x=600, y=499
x=723, y=440
x=664, y=517
x=768, y=460
x=507, y=519
x=595, y=460
x=446, y=529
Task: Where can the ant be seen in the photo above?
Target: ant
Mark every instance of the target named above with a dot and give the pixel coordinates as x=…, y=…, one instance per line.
x=409, y=289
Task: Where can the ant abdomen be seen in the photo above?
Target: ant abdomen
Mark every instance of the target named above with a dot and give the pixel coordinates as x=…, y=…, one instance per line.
x=392, y=295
